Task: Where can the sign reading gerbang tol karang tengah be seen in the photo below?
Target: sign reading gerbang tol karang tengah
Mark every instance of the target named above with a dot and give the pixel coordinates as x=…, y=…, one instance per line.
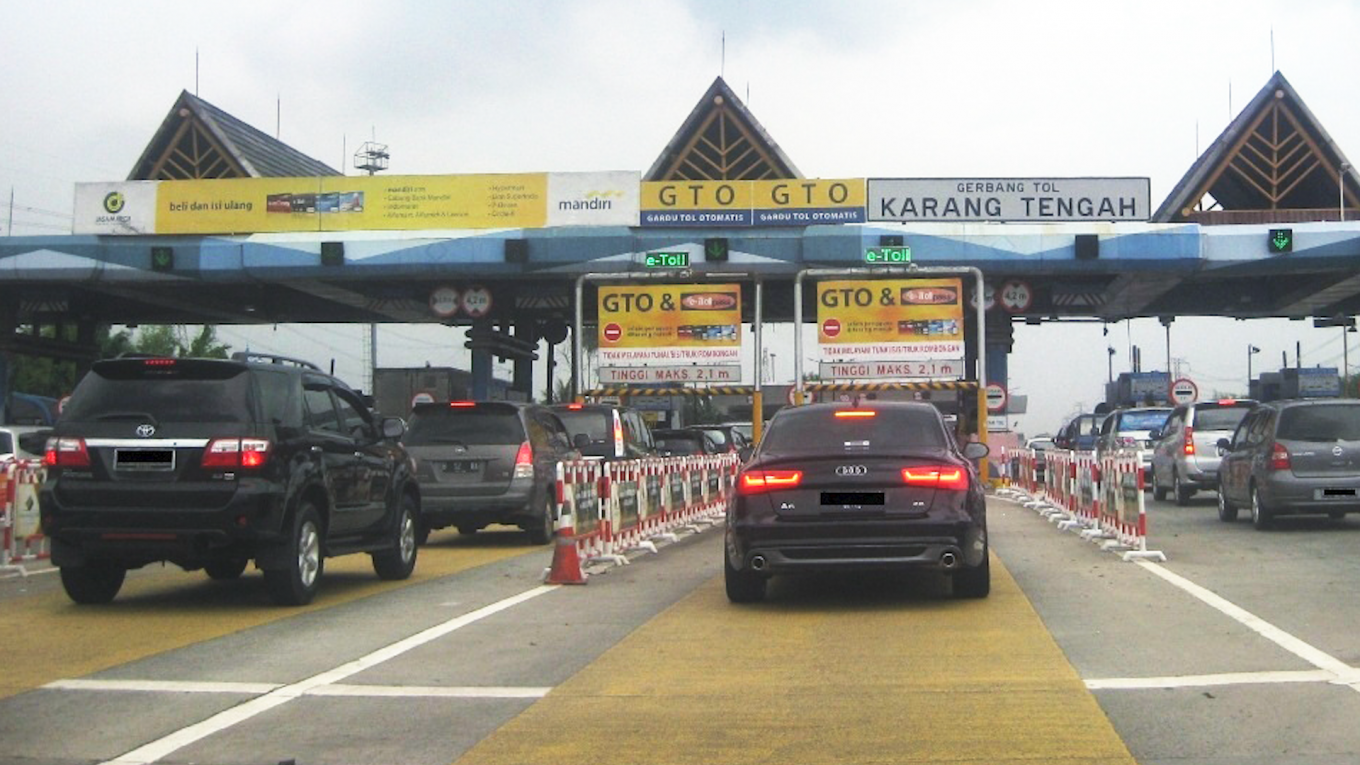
x=1008, y=199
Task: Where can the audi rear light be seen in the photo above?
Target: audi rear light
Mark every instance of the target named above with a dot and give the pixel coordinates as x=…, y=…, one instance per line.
x=524, y=461
x=1189, y=440
x=758, y=481
x=236, y=453
x=947, y=477
x=66, y=453
x=1279, y=458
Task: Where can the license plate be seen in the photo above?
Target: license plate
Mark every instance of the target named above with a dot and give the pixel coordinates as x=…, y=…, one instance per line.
x=860, y=498
x=461, y=466
x=1334, y=494
x=144, y=459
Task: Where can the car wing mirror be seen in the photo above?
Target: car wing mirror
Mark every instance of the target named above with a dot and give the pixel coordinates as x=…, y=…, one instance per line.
x=976, y=450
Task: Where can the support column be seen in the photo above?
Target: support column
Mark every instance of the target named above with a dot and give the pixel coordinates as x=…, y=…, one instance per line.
x=524, y=368
x=482, y=363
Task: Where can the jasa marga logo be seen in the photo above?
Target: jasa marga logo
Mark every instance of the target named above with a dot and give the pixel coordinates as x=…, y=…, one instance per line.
x=114, y=201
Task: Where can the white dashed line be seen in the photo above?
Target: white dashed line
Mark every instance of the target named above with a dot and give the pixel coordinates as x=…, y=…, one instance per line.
x=282, y=695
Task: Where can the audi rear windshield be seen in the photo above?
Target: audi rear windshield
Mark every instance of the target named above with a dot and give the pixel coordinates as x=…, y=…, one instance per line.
x=882, y=430
x=163, y=390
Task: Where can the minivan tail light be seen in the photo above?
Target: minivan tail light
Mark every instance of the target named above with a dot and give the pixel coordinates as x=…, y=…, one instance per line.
x=66, y=453
x=618, y=435
x=1189, y=441
x=758, y=481
x=524, y=461
x=1279, y=458
x=236, y=453
x=947, y=477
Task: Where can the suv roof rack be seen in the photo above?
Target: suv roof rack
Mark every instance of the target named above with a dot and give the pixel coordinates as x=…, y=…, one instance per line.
x=272, y=359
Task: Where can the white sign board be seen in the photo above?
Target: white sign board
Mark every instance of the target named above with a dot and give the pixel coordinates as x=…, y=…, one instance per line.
x=1039, y=200
x=720, y=373
x=891, y=370
x=115, y=208
x=594, y=199
x=997, y=423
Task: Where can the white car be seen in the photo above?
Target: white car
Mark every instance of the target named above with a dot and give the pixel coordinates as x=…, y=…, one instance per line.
x=24, y=442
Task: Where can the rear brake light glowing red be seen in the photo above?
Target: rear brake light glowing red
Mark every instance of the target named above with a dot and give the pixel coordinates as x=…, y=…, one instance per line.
x=159, y=362
x=1279, y=458
x=524, y=461
x=236, y=453
x=856, y=413
x=575, y=407
x=462, y=404
x=66, y=453
x=947, y=477
x=1189, y=440
x=1227, y=401
x=757, y=481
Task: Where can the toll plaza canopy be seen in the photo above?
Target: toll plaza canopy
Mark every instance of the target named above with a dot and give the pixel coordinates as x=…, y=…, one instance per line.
x=221, y=224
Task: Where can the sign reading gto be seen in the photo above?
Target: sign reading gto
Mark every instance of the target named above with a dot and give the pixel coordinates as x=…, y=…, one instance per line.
x=890, y=320
x=670, y=323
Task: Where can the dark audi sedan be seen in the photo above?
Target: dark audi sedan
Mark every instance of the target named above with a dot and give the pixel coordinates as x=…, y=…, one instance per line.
x=836, y=487
x=1291, y=458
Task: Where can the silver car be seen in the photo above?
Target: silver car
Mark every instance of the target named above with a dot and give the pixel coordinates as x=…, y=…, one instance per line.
x=1131, y=429
x=1185, y=452
x=1292, y=457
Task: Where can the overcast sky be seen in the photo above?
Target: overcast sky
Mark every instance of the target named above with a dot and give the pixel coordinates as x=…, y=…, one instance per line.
x=847, y=89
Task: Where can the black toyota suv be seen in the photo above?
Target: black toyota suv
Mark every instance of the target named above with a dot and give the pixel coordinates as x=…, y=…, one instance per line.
x=212, y=463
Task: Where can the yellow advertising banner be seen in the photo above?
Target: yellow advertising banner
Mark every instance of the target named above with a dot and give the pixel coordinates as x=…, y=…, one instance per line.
x=891, y=318
x=669, y=322
x=344, y=203
x=794, y=202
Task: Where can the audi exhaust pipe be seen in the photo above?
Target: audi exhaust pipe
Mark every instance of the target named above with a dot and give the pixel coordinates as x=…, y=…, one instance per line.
x=949, y=560
x=758, y=562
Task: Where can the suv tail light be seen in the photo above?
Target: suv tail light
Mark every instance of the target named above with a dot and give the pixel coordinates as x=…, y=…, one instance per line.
x=236, y=453
x=524, y=461
x=758, y=481
x=66, y=453
x=947, y=477
x=618, y=435
x=1189, y=441
x=1279, y=458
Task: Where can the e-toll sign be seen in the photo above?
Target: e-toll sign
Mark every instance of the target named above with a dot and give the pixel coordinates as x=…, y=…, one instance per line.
x=675, y=323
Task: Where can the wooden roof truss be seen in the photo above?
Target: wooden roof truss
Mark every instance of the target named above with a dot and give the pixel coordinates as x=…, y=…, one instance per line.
x=195, y=153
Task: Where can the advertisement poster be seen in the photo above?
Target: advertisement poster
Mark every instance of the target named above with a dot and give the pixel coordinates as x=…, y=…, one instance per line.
x=650, y=324
x=890, y=319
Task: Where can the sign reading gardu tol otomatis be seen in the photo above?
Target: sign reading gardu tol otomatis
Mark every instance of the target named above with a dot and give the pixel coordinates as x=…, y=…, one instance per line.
x=1036, y=200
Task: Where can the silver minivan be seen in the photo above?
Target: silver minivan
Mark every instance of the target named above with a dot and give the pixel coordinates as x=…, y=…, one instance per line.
x=1184, y=456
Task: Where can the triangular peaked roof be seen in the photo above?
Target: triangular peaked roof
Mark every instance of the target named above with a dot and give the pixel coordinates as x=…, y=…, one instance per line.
x=721, y=140
x=198, y=140
x=1273, y=157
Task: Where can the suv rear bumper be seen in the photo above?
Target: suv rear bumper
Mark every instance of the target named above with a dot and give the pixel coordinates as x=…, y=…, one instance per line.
x=188, y=537
x=442, y=506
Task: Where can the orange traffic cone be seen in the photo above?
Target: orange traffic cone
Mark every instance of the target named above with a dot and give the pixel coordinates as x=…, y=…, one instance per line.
x=566, y=562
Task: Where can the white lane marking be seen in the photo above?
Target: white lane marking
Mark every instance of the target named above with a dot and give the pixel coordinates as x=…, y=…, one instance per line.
x=173, y=742
x=162, y=686
x=259, y=689
x=1205, y=681
x=1288, y=642
x=432, y=692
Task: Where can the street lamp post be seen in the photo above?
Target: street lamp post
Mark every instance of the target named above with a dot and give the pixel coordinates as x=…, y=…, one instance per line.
x=1251, y=349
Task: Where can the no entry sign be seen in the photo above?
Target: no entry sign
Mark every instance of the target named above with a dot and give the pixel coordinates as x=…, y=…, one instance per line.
x=996, y=398
x=1184, y=391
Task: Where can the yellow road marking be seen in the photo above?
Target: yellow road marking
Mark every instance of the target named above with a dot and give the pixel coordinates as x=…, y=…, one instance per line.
x=50, y=638
x=911, y=680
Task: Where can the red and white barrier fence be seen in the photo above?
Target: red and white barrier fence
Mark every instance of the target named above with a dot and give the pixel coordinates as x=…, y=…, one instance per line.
x=606, y=510
x=1103, y=499
x=21, y=537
